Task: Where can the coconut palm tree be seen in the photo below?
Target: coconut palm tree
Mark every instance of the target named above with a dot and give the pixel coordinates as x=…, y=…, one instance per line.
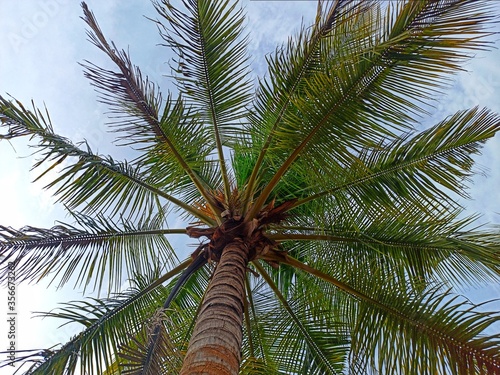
x=329, y=236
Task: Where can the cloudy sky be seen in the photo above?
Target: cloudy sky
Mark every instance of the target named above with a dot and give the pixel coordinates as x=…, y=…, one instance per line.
x=42, y=43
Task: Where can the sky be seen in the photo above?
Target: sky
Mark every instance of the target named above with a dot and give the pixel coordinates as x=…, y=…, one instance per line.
x=42, y=43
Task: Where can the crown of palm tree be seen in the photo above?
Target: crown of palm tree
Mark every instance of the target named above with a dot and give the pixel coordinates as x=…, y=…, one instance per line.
x=329, y=234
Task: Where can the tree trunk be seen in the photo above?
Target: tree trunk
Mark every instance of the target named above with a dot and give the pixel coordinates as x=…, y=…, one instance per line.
x=215, y=346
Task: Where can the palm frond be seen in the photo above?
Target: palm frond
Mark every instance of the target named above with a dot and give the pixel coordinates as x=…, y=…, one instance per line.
x=166, y=358
x=107, y=323
x=433, y=163
x=288, y=70
x=133, y=100
x=372, y=82
x=93, y=181
x=96, y=347
x=211, y=65
x=256, y=348
x=185, y=158
x=304, y=339
x=151, y=355
x=255, y=366
x=436, y=334
x=414, y=245
x=131, y=97
x=412, y=324
x=97, y=250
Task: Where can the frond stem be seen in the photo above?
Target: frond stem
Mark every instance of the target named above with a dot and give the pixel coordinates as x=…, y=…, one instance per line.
x=247, y=322
x=431, y=331
x=378, y=174
x=213, y=115
x=292, y=314
x=82, y=337
x=254, y=314
x=100, y=41
x=308, y=58
x=190, y=209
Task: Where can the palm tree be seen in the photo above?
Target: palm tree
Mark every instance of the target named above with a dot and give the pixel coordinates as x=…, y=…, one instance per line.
x=330, y=236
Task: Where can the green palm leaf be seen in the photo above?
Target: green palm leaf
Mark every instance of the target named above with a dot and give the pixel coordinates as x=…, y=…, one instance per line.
x=211, y=65
x=157, y=349
x=95, y=348
x=363, y=88
x=306, y=340
x=131, y=98
x=173, y=165
x=92, y=249
x=288, y=70
x=92, y=180
x=447, y=327
x=412, y=324
x=166, y=358
x=403, y=241
x=433, y=162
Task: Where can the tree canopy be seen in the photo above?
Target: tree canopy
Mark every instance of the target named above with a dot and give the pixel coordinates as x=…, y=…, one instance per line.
x=327, y=225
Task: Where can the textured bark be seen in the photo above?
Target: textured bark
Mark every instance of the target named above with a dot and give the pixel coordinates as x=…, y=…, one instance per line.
x=215, y=346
